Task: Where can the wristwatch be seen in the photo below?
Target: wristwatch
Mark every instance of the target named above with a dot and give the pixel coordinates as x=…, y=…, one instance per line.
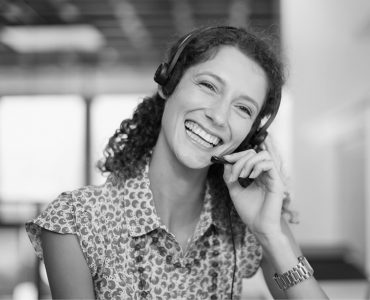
x=299, y=273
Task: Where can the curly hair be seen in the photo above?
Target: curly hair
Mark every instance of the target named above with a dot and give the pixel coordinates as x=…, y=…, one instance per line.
x=130, y=147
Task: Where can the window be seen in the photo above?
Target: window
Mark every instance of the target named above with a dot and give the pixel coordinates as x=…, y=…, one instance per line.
x=42, y=143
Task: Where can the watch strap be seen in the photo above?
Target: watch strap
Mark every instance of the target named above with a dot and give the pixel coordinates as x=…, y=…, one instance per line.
x=297, y=274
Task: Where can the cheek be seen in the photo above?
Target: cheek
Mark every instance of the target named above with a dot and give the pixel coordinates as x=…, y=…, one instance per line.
x=240, y=131
x=176, y=103
x=172, y=115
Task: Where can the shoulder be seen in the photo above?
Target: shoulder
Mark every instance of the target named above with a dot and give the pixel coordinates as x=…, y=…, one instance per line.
x=87, y=215
x=81, y=208
x=97, y=204
x=96, y=199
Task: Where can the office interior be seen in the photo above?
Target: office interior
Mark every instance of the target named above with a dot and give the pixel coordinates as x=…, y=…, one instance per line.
x=72, y=70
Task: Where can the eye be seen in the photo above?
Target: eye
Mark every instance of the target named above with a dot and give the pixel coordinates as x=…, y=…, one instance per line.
x=245, y=109
x=208, y=85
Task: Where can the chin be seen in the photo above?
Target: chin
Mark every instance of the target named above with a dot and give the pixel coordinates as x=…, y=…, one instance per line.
x=192, y=161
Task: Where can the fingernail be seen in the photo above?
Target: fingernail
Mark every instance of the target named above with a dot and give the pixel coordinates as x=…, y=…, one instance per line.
x=243, y=173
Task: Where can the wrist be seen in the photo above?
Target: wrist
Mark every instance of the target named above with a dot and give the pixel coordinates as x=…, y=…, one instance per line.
x=275, y=239
x=279, y=252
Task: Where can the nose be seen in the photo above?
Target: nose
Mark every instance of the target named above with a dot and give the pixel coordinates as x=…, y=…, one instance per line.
x=218, y=114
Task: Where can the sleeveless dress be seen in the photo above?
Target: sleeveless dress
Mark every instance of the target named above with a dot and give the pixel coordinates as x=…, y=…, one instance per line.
x=132, y=255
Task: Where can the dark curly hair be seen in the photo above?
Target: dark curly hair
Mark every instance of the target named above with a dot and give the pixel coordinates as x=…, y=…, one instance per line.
x=130, y=147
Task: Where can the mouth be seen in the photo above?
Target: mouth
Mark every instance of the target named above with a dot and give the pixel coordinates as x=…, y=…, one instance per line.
x=200, y=136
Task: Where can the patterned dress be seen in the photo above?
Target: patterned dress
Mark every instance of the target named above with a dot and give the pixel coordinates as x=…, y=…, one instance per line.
x=132, y=255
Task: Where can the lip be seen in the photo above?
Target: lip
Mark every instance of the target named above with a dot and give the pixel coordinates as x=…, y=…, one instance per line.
x=207, y=130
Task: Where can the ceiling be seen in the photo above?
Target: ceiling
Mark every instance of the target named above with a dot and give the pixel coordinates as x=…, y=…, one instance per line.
x=127, y=32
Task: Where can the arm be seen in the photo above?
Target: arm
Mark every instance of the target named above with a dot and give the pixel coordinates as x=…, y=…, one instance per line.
x=280, y=256
x=68, y=274
x=259, y=206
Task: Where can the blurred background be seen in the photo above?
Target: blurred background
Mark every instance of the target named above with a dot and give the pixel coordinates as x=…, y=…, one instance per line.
x=71, y=70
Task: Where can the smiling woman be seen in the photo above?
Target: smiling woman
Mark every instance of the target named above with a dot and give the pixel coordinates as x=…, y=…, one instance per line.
x=169, y=223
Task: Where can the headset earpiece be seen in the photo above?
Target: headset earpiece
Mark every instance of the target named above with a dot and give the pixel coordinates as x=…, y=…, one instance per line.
x=164, y=70
x=161, y=75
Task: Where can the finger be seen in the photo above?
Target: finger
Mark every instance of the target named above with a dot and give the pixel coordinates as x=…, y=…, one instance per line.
x=233, y=157
x=261, y=166
x=238, y=167
x=244, y=166
x=238, y=160
x=277, y=158
x=266, y=142
x=270, y=146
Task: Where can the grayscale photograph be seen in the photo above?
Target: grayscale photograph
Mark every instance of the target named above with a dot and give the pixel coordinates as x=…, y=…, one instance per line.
x=184, y=149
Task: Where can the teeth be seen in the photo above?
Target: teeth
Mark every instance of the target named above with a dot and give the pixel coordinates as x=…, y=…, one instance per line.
x=199, y=140
x=199, y=132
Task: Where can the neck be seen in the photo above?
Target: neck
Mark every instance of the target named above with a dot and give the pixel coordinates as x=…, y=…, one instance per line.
x=178, y=191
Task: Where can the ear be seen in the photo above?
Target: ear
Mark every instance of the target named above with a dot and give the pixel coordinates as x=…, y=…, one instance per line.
x=161, y=93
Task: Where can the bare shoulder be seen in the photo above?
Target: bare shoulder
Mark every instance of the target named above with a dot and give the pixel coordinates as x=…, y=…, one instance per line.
x=68, y=273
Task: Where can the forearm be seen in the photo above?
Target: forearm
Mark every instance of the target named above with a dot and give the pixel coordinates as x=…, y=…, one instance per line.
x=281, y=255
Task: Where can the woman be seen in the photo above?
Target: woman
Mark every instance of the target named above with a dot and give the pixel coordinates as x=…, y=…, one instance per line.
x=169, y=223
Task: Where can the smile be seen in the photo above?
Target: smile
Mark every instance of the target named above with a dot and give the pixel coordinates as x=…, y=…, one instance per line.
x=199, y=135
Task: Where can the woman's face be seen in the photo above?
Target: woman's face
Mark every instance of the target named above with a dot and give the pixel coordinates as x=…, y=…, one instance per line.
x=213, y=107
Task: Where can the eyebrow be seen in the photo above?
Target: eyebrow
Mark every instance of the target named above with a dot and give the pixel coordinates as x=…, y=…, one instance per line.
x=223, y=82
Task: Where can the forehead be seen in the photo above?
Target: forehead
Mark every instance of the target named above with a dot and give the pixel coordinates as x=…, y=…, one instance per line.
x=238, y=72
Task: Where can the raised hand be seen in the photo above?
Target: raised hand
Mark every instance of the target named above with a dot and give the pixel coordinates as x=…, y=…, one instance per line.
x=259, y=205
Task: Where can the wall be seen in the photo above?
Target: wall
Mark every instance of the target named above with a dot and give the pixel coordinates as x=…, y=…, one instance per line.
x=327, y=46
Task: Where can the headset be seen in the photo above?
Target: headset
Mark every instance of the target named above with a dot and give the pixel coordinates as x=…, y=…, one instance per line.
x=164, y=71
